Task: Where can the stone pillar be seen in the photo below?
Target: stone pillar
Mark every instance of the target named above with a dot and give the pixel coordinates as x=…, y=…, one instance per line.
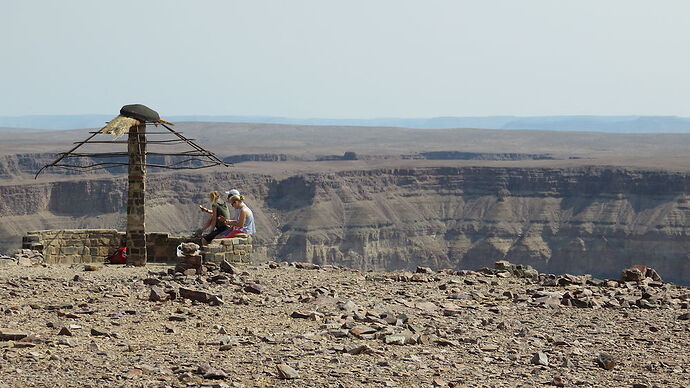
x=136, y=211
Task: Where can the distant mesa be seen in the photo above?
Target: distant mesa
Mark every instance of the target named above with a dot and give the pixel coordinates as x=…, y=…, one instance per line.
x=610, y=124
x=459, y=155
x=350, y=155
x=346, y=156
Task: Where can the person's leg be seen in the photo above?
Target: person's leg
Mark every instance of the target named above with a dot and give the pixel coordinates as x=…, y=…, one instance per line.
x=206, y=238
x=217, y=233
x=209, y=237
x=234, y=233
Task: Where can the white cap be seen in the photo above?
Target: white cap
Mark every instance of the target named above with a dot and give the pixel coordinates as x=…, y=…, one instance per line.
x=232, y=192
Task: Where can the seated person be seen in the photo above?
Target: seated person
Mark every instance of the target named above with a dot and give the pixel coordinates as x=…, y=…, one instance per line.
x=218, y=209
x=231, y=193
x=244, y=224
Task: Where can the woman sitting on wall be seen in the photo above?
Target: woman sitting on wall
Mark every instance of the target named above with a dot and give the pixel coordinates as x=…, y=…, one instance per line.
x=219, y=209
x=244, y=223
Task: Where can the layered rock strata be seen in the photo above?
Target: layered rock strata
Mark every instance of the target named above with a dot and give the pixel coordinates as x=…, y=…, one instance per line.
x=579, y=220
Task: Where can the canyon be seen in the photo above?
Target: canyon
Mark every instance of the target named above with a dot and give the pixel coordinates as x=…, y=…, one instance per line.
x=561, y=202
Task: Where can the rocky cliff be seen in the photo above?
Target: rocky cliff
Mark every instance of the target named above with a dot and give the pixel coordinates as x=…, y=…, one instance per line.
x=594, y=220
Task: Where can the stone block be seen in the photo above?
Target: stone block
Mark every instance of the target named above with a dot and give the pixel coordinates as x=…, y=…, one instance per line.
x=233, y=258
x=191, y=260
x=98, y=233
x=69, y=251
x=234, y=250
x=214, y=257
x=30, y=239
x=214, y=248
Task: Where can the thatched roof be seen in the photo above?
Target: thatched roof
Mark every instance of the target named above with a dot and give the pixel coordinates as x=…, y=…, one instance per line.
x=119, y=125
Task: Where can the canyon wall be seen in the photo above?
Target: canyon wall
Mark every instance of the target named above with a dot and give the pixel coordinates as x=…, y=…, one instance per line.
x=594, y=220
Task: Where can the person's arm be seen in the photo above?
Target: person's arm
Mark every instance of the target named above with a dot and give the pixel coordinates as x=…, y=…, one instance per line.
x=240, y=222
x=243, y=217
x=211, y=220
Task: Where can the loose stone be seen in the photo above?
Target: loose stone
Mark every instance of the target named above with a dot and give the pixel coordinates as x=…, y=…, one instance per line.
x=286, y=372
x=606, y=361
x=540, y=358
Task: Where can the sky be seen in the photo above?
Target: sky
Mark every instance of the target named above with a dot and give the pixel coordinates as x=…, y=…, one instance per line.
x=346, y=59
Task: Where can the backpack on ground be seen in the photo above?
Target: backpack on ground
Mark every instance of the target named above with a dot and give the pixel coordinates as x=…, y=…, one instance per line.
x=118, y=257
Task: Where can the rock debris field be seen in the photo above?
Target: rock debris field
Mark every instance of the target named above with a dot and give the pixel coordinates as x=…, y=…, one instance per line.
x=301, y=325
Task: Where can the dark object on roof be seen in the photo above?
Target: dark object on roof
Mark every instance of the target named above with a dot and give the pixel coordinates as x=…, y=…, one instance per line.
x=140, y=112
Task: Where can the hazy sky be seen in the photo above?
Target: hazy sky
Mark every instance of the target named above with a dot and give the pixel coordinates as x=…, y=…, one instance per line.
x=346, y=59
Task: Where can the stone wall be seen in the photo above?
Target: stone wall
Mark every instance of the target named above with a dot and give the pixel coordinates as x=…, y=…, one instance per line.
x=234, y=250
x=161, y=247
x=68, y=246
x=73, y=245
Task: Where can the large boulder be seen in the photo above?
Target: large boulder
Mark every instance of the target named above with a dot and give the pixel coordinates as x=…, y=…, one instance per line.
x=517, y=270
x=638, y=273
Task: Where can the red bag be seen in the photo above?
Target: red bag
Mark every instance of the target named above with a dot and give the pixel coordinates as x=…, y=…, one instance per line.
x=119, y=256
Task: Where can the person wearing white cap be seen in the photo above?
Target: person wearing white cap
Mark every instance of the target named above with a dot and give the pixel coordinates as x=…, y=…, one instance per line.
x=244, y=224
x=230, y=194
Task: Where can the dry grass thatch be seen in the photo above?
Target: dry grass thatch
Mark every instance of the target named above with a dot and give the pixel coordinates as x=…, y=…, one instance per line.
x=119, y=125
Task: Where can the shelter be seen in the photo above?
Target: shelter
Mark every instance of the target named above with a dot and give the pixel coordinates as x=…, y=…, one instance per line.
x=133, y=120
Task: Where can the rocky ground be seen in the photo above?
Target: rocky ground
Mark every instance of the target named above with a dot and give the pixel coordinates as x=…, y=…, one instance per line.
x=298, y=325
